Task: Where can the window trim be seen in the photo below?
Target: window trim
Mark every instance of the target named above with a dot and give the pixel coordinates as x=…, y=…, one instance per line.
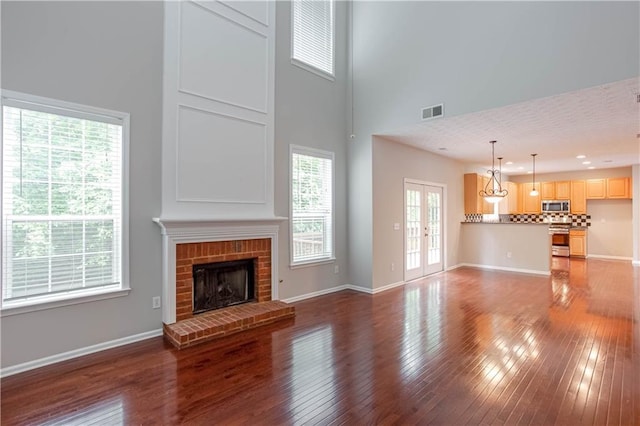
x=303, y=150
x=308, y=67
x=48, y=105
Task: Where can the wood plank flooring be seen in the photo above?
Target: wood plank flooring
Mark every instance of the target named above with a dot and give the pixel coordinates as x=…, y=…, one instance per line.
x=462, y=347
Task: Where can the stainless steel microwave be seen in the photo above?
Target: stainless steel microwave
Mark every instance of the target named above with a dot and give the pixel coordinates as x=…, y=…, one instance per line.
x=555, y=206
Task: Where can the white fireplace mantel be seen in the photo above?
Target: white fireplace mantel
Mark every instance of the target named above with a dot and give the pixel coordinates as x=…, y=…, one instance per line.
x=179, y=231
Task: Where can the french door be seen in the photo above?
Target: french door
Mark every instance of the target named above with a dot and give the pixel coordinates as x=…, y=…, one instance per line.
x=423, y=230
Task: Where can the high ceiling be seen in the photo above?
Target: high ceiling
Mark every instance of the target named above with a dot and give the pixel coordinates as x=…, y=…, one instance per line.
x=602, y=123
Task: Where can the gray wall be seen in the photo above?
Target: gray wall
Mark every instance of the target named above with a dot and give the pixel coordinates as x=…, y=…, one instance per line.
x=479, y=55
x=501, y=246
x=108, y=56
x=472, y=56
x=610, y=231
x=310, y=111
x=388, y=203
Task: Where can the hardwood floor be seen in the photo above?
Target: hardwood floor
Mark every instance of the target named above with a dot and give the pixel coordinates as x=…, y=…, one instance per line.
x=462, y=347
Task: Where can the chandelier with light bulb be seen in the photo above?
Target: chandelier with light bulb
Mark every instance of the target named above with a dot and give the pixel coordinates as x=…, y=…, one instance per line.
x=493, y=191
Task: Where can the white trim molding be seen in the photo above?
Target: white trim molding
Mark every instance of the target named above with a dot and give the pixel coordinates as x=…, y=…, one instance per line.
x=180, y=231
x=316, y=294
x=607, y=257
x=506, y=269
x=42, y=362
x=342, y=288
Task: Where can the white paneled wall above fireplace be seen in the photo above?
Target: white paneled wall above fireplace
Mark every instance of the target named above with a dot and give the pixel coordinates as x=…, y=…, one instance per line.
x=218, y=131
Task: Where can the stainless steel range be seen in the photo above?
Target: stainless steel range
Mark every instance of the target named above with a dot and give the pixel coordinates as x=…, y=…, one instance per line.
x=559, y=238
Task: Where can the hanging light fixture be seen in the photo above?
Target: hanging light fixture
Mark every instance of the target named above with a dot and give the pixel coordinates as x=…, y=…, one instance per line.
x=534, y=191
x=493, y=191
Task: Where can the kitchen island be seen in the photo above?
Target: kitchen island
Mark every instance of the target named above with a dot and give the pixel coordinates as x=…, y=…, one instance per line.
x=509, y=246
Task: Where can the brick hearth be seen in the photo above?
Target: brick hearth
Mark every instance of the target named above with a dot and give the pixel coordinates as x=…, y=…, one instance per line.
x=223, y=322
x=190, y=329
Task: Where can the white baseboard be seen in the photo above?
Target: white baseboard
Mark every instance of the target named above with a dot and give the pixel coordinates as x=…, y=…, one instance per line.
x=388, y=287
x=316, y=293
x=376, y=290
x=343, y=287
x=507, y=269
x=19, y=368
x=456, y=266
x=358, y=288
x=604, y=256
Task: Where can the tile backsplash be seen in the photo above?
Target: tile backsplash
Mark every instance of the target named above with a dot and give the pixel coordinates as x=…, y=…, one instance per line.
x=574, y=219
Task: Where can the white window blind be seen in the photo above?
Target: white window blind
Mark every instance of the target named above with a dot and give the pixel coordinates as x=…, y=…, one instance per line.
x=62, y=201
x=311, y=205
x=313, y=33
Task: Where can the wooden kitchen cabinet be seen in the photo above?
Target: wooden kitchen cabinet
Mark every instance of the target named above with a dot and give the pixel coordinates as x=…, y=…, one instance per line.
x=473, y=202
x=596, y=189
x=512, y=198
x=578, y=197
x=548, y=190
x=529, y=204
x=510, y=204
x=578, y=243
x=563, y=190
x=619, y=187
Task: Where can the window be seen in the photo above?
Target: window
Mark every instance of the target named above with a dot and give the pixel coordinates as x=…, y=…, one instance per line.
x=311, y=205
x=312, y=29
x=63, y=171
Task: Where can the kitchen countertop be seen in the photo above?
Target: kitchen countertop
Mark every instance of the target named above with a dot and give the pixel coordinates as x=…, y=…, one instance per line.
x=507, y=223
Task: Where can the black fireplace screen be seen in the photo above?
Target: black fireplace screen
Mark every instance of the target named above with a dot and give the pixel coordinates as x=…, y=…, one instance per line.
x=221, y=284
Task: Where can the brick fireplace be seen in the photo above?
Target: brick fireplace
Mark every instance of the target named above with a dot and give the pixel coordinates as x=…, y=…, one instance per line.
x=188, y=255
x=189, y=243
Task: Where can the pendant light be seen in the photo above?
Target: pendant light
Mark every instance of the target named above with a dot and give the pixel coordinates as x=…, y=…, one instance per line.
x=534, y=191
x=493, y=192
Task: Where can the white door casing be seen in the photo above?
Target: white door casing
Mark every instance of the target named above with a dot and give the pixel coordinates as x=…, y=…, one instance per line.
x=423, y=236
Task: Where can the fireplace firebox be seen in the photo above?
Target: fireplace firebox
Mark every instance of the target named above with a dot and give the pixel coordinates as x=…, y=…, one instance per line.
x=221, y=284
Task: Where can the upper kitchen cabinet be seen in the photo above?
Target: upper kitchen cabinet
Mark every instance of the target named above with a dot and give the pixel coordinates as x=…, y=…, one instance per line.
x=510, y=205
x=596, y=189
x=619, y=187
x=555, y=190
x=512, y=198
x=530, y=204
x=563, y=190
x=548, y=190
x=473, y=202
x=599, y=189
x=578, y=197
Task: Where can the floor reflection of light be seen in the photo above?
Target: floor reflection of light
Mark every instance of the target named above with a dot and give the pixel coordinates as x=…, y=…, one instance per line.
x=411, y=336
x=312, y=373
x=422, y=334
x=492, y=372
x=105, y=413
x=507, y=359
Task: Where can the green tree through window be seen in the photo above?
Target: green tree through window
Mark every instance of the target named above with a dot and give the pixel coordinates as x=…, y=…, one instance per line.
x=62, y=200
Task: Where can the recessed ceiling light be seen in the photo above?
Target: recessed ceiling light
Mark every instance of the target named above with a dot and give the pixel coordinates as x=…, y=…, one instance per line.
x=529, y=172
x=581, y=156
x=508, y=163
x=608, y=161
x=520, y=168
x=590, y=167
x=586, y=162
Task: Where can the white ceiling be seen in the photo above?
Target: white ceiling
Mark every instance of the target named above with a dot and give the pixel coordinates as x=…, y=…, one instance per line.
x=601, y=122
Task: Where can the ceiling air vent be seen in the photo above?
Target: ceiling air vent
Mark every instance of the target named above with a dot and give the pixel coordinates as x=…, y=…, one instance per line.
x=433, y=112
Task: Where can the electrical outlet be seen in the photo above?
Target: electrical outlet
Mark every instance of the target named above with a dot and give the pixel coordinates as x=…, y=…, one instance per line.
x=336, y=269
x=393, y=266
x=155, y=302
x=509, y=255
